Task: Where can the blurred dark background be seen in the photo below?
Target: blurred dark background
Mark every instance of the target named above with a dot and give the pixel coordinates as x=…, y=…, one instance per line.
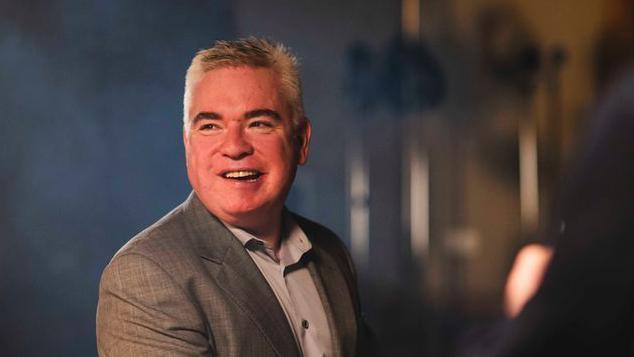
x=441, y=128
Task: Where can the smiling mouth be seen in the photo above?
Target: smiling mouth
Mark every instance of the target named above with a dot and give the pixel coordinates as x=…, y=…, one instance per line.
x=242, y=175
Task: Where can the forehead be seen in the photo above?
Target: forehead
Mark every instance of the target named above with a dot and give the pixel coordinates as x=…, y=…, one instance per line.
x=231, y=92
x=237, y=85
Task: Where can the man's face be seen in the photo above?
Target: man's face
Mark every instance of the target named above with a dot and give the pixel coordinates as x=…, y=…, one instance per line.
x=241, y=150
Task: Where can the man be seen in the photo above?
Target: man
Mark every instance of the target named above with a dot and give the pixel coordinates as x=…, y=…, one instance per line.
x=231, y=272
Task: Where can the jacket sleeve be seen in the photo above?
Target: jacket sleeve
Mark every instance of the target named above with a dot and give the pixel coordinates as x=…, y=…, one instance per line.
x=142, y=311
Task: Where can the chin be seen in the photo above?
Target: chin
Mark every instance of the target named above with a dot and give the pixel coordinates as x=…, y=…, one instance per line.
x=241, y=212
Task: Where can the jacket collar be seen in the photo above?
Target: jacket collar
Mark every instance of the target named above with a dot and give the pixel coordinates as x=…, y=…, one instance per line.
x=238, y=276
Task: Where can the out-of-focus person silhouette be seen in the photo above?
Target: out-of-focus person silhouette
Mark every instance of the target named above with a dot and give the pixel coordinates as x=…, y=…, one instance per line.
x=585, y=303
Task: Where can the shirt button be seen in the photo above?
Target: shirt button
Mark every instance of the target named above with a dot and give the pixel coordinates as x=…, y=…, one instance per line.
x=305, y=324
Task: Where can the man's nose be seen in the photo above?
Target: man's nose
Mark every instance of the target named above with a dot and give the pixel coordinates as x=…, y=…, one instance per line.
x=236, y=146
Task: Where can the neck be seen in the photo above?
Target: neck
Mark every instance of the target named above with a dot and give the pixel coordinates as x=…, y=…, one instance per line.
x=270, y=236
x=268, y=230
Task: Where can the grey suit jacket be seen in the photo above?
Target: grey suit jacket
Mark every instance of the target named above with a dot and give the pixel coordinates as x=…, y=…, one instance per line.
x=185, y=286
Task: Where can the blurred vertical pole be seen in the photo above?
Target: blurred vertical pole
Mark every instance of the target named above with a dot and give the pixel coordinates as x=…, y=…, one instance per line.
x=359, y=86
x=529, y=184
x=415, y=160
x=416, y=192
x=555, y=60
x=358, y=195
x=410, y=19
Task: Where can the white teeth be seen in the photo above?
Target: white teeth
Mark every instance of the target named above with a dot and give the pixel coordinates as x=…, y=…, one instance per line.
x=240, y=174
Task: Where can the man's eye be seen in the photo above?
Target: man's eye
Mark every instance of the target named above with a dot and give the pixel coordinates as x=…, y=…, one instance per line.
x=261, y=124
x=209, y=126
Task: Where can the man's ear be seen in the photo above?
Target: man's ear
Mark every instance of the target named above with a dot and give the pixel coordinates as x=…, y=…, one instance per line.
x=186, y=144
x=303, y=141
x=185, y=138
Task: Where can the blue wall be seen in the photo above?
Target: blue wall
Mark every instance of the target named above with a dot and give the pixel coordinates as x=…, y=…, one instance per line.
x=91, y=152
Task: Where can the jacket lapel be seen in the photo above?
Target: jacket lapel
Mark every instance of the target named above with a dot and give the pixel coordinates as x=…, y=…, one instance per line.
x=239, y=277
x=336, y=298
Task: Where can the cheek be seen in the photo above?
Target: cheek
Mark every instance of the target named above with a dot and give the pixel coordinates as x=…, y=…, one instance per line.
x=280, y=154
x=198, y=152
x=282, y=147
x=190, y=164
x=195, y=161
x=191, y=157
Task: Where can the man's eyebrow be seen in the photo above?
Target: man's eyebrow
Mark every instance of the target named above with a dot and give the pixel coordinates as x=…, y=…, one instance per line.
x=263, y=113
x=205, y=115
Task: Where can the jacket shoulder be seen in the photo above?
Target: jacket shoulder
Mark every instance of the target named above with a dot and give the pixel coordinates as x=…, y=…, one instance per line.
x=146, y=306
x=162, y=241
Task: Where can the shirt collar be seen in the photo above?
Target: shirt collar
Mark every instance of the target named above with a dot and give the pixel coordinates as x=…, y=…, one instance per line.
x=294, y=242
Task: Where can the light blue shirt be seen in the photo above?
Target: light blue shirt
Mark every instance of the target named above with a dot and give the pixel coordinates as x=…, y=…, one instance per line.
x=290, y=280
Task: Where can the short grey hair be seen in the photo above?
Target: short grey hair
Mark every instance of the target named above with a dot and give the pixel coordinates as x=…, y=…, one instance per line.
x=250, y=52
